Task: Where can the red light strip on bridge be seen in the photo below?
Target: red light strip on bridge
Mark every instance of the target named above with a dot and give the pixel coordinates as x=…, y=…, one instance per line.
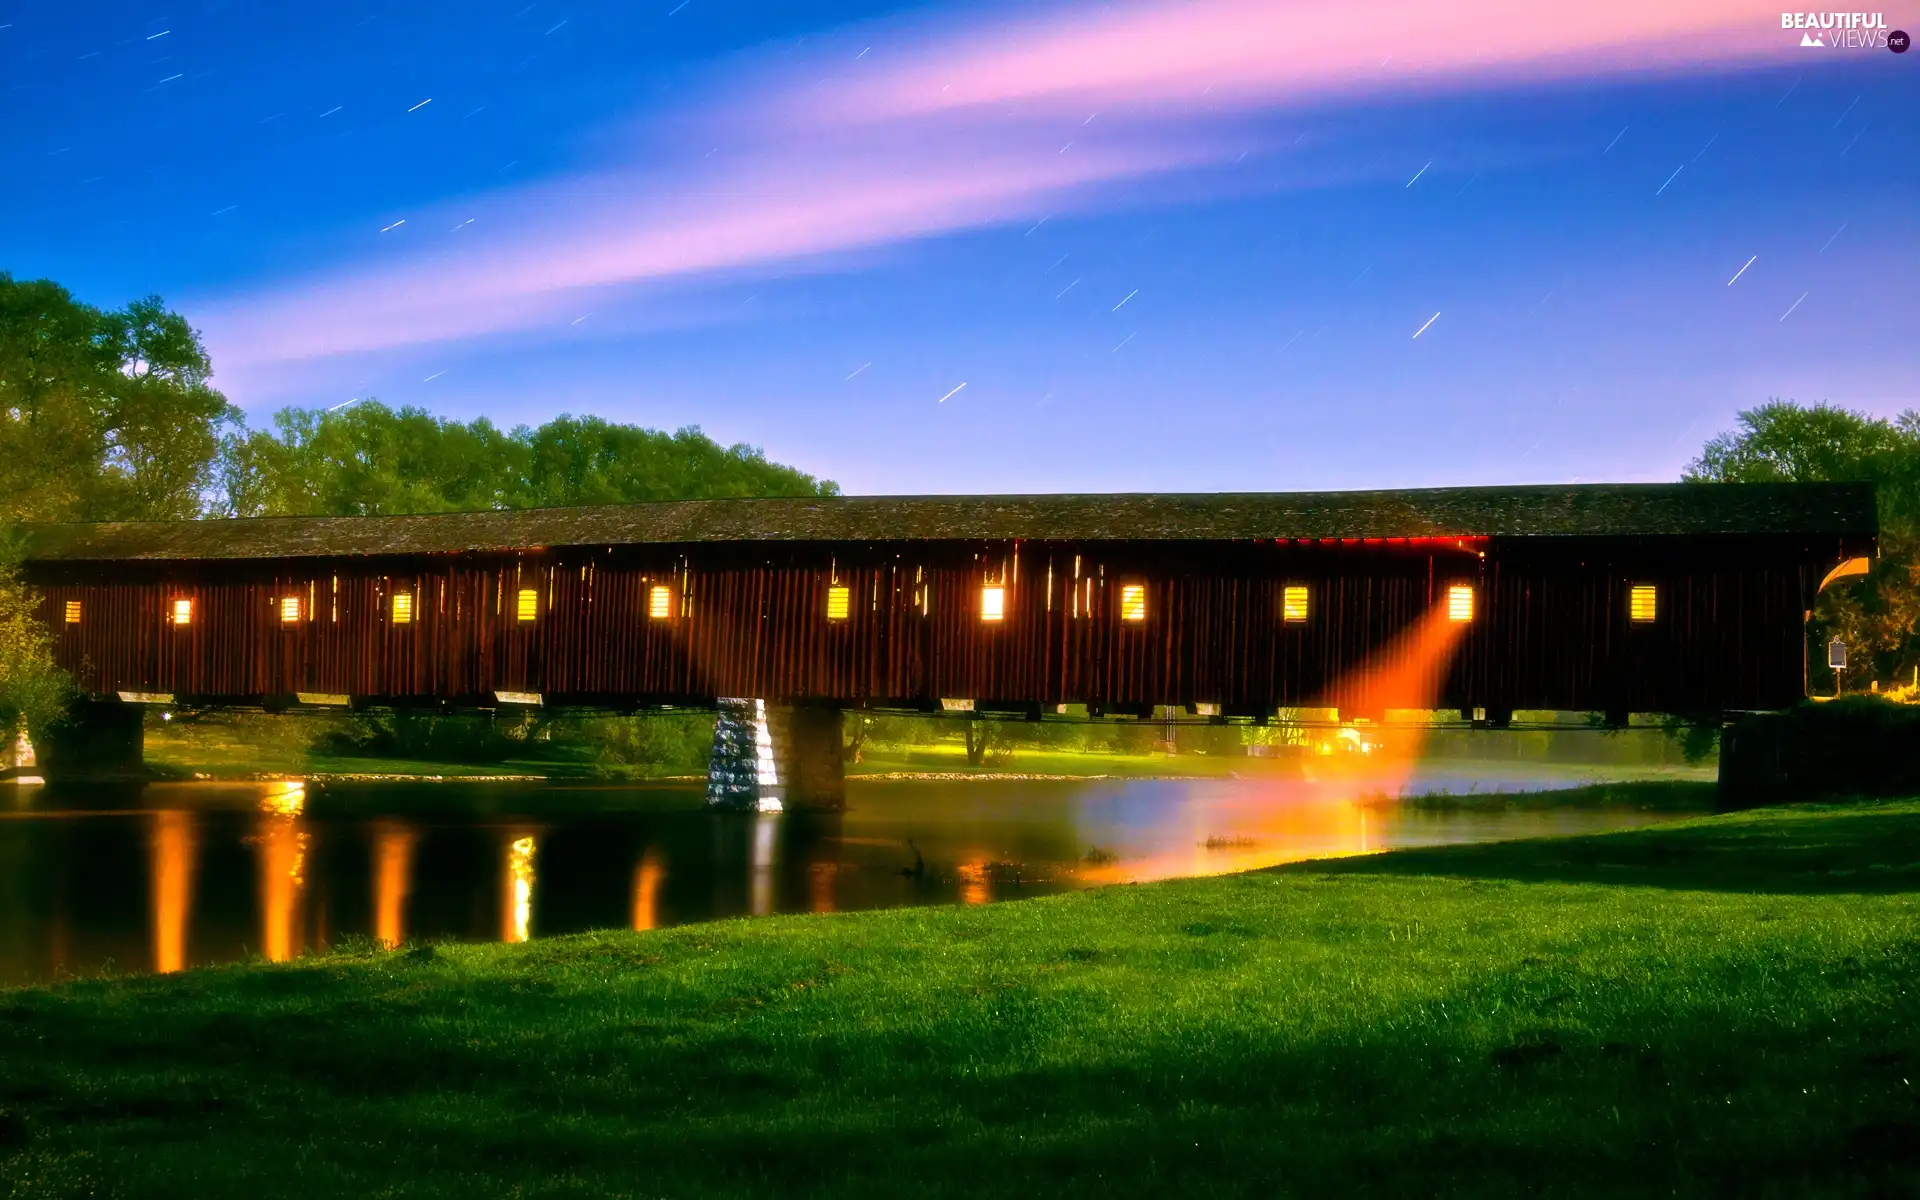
x=1469, y=544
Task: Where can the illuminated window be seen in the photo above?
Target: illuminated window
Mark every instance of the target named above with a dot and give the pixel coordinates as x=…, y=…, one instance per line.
x=289, y=609
x=73, y=612
x=528, y=606
x=1641, y=602
x=403, y=608
x=1460, y=602
x=993, y=602
x=1293, y=603
x=183, y=612
x=1133, y=602
x=660, y=602
x=839, y=603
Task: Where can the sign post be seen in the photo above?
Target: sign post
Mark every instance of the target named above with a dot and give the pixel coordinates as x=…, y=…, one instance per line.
x=1837, y=659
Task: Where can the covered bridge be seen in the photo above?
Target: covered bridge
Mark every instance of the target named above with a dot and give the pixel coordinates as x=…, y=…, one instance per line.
x=1686, y=598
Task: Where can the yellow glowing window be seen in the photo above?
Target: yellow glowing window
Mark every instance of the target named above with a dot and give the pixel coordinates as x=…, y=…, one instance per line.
x=403, y=608
x=993, y=602
x=1133, y=602
x=659, y=602
x=289, y=609
x=1460, y=602
x=1642, y=602
x=183, y=612
x=1293, y=603
x=73, y=612
x=528, y=604
x=839, y=603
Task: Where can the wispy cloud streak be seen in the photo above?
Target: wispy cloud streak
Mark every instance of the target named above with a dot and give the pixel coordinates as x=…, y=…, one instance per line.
x=618, y=228
x=1214, y=53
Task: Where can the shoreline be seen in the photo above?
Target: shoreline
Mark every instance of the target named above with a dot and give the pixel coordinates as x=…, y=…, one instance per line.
x=1596, y=778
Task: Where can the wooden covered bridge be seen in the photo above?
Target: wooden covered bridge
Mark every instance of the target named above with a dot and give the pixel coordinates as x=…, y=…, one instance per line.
x=1684, y=598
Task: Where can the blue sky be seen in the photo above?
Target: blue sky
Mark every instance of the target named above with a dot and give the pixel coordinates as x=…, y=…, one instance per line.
x=767, y=221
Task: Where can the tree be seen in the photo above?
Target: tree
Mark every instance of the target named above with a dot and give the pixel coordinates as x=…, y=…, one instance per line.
x=987, y=741
x=33, y=692
x=370, y=459
x=104, y=415
x=163, y=418
x=56, y=357
x=586, y=460
x=1878, y=616
x=366, y=460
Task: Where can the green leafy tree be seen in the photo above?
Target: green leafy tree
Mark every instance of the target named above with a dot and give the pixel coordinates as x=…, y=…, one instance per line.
x=369, y=459
x=104, y=415
x=586, y=460
x=163, y=418
x=33, y=691
x=1878, y=616
x=56, y=361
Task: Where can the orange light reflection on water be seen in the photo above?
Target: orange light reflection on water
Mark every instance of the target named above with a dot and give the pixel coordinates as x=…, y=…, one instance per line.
x=516, y=909
x=975, y=887
x=647, y=874
x=1296, y=822
x=170, y=873
x=281, y=843
x=392, y=881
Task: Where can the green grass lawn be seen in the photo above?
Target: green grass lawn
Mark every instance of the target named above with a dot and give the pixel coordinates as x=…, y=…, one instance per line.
x=1723, y=1006
x=1648, y=795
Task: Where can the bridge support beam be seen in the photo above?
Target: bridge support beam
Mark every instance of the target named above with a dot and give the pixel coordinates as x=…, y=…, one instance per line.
x=774, y=758
x=97, y=739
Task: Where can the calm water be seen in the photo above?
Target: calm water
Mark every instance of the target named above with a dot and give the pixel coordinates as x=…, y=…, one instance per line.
x=172, y=875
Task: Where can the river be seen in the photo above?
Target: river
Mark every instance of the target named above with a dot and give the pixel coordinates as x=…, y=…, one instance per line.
x=165, y=876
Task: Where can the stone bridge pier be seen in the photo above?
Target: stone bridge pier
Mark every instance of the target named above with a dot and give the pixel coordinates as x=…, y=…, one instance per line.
x=776, y=758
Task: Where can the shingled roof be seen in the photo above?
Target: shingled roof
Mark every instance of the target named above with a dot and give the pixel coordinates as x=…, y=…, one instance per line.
x=1586, y=510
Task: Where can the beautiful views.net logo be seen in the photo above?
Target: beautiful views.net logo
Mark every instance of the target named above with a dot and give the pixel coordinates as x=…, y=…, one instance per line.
x=1848, y=31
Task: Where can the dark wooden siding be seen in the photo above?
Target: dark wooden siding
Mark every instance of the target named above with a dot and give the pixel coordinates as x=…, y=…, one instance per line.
x=1729, y=632
x=750, y=620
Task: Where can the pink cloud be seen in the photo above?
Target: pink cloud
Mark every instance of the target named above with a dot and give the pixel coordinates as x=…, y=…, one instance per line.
x=960, y=132
x=630, y=227
x=1222, y=52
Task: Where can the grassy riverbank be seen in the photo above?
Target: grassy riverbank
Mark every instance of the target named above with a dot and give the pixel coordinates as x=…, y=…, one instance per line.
x=1719, y=1005
x=1690, y=795
x=950, y=760
x=252, y=747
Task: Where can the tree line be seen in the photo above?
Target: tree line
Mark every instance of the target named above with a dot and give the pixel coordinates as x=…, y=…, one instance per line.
x=110, y=415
